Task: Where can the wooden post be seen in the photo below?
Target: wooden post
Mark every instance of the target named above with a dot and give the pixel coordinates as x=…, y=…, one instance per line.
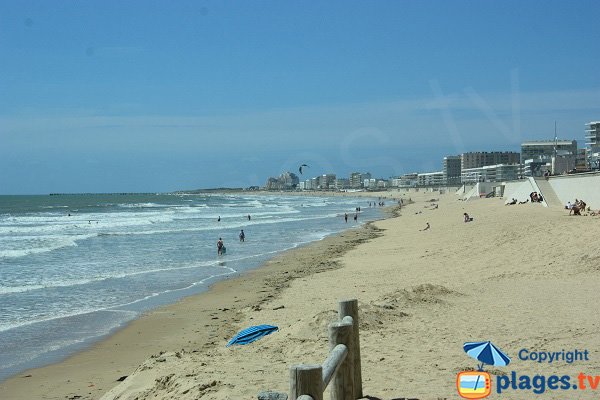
x=342, y=386
x=306, y=379
x=350, y=308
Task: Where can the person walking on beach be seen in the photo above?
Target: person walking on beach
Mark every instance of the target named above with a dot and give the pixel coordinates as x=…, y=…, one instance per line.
x=242, y=236
x=220, y=246
x=346, y=217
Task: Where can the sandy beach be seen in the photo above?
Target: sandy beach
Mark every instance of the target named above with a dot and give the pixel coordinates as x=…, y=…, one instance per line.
x=523, y=276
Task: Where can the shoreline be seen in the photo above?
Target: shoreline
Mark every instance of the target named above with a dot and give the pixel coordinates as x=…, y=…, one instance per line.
x=510, y=276
x=92, y=371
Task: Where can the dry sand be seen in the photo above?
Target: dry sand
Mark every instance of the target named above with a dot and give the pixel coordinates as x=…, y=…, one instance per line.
x=524, y=277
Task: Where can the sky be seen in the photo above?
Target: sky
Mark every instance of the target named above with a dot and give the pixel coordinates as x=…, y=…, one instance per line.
x=155, y=96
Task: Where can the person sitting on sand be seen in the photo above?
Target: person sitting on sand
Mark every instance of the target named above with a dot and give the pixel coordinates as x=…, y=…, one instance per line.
x=426, y=228
x=577, y=207
x=575, y=210
x=467, y=218
x=512, y=202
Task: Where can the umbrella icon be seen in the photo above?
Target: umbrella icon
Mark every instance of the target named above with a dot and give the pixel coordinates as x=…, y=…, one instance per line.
x=487, y=353
x=251, y=334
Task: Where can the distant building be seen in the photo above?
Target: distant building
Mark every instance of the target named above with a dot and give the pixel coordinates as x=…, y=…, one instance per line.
x=592, y=142
x=430, y=179
x=483, y=158
x=563, y=164
x=581, y=161
x=491, y=173
x=544, y=149
x=357, y=179
x=342, y=183
x=382, y=184
x=285, y=181
x=408, y=180
x=592, y=136
x=451, y=169
x=289, y=180
x=537, y=167
x=273, y=184
x=327, y=181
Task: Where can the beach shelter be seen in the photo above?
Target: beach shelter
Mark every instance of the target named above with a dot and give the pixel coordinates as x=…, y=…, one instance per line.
x=486, y=353
x=251, y=334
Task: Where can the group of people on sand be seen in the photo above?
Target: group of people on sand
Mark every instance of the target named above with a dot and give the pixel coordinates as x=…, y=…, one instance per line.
x=577, y=207
x=535, y=197
x=515, y=201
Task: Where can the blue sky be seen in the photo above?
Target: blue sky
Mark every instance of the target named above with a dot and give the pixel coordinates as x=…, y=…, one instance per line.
x=113, y=96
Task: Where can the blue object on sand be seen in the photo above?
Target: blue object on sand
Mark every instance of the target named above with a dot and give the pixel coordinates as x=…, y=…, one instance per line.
x=487, y=353
x=251, y=334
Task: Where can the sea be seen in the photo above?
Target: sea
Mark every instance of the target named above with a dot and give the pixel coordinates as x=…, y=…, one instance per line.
x=74, y=268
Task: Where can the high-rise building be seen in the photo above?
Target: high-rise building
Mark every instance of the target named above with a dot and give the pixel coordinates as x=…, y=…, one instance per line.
x=477, y=159
x=327, y=181
x=357, y=179
x=592, y=142
x=592, y=134
x=451, y=170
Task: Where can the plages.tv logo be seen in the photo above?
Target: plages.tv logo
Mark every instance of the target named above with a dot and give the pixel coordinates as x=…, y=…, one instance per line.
x=478, y=384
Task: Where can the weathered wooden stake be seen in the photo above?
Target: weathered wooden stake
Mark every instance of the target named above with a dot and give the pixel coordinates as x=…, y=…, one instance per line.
x=306, y=379
x=350, y=308
x=342, y=386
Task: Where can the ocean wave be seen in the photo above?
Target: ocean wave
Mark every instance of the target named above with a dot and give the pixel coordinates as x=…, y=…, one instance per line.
x=147, y=205
x=53, y=284
x=38, y=245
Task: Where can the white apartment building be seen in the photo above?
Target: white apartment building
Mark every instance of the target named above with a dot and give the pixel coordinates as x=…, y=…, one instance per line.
x=491, y=173
x=430, y=179
x=592, y=142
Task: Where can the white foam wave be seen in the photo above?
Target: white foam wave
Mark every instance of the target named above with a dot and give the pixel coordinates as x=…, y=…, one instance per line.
x=36, y=245
x=50, y=284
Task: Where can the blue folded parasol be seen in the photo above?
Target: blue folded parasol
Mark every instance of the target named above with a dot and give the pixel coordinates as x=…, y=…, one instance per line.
x=251, y=334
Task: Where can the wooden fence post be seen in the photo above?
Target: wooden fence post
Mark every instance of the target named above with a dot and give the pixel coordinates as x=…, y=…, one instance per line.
x=350, y=308
x=342, y=386
x=306, y=379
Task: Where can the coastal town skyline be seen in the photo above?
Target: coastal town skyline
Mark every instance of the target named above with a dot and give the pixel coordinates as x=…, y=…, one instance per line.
x=113, y=97
x=535, y=158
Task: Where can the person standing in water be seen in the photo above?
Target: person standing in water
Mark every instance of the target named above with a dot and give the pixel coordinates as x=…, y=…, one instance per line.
x=242, y=236
x=220, y=246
